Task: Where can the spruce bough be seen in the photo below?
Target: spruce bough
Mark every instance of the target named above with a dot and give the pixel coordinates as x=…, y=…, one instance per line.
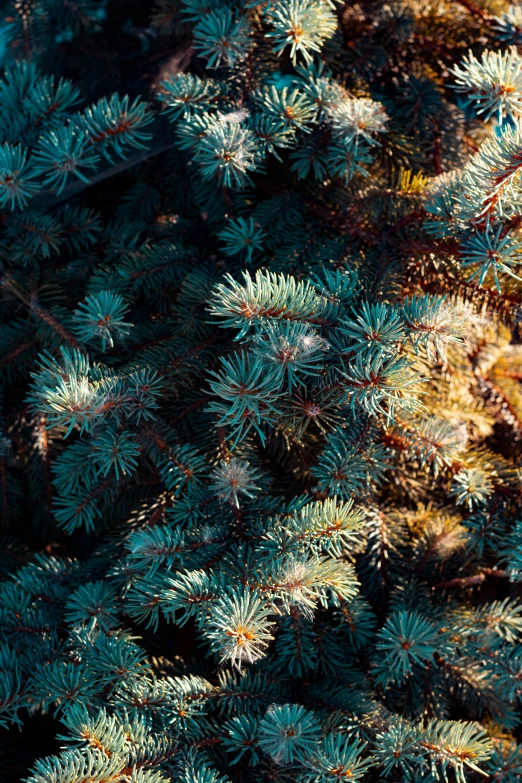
x=260, y=403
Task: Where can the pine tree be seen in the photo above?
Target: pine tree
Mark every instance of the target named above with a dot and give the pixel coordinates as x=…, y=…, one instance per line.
x=260, y=391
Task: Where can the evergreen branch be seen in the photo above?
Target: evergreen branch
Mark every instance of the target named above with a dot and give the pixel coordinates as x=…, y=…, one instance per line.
x=163, y=142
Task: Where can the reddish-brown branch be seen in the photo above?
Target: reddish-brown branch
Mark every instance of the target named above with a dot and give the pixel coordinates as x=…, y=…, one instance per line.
x=475, y=579
x=15, y=353
x=495, y=398
x=473, y=9
x=44, y=315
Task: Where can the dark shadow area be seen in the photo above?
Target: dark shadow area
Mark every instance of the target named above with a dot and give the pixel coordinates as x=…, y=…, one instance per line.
x=20, y=748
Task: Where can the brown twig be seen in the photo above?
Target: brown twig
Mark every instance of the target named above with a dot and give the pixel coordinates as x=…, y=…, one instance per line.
x=475, y=579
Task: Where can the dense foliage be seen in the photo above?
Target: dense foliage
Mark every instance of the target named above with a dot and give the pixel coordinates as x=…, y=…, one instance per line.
x=260, y=401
